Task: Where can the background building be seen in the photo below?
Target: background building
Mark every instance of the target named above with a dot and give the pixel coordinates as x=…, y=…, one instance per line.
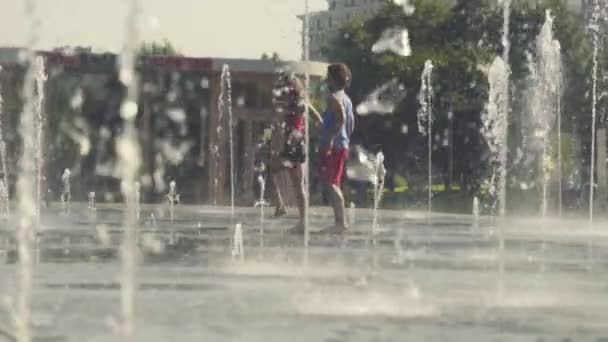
x=182, y=134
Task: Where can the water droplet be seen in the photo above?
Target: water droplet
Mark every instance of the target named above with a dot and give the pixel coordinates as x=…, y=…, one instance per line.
x=205, y=83
x=395, y=40
x=177, y=115
x=77, y=99
x=128, y=110
x=382, y=100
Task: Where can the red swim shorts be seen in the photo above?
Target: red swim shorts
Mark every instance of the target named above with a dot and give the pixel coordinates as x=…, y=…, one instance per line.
x=331, y=165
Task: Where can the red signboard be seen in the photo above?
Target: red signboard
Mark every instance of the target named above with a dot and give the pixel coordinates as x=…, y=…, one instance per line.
x=108, y=61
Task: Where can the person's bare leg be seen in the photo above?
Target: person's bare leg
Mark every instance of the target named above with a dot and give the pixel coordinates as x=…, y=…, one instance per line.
x=338, y=204
x=280, y=209
x=298, y=186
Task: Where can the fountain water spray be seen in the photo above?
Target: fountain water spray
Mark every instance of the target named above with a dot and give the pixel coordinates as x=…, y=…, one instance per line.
x=172, y=198
x=26, y=196
x=92, y=201
x=238, y=252
x=129, y=161
x=425, y=121
x=379, y=174
x=66, y=194
x=544, y=102
x=594, y=27
x=41, y=78
x=306, y=166
x=225, y=104
x=261, y=203
x=137, y=201
x=4, y=200
x=352, y=214
x=506, y=107
x=493, y=130
x=475, y=212
x=6, y=208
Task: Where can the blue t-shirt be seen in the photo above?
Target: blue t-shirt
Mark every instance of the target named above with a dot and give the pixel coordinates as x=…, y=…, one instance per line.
x=342, y=140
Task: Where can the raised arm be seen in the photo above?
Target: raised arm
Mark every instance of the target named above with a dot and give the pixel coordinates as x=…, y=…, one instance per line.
x=315, y=115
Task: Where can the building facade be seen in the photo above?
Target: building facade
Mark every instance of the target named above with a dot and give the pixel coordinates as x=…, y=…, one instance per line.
x=339, y=12
x=182, y=132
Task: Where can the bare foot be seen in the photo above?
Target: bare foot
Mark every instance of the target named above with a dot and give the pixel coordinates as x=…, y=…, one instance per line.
x=335, y=230
x=280, y=212
x=297, y=229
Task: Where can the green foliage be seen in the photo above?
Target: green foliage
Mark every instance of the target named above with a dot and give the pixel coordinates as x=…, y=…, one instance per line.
x=461, y=40
x=164, y=48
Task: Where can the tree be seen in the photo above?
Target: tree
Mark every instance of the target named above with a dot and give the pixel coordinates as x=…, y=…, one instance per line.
x=460, y=40
x=164, y=48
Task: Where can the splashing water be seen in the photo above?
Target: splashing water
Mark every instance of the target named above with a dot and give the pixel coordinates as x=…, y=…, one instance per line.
x=493, y=120
x=425, y=121
x=238, y=252
x=41, y=78
x=66, y=194
x=544, y=102
x=225, y=105
x=475, y=212
x=306, y=176
x=92, y=201
x=137, y=187
x=26, y=197
x=395, y=40
x=382, y=100
x=506, y=43
x=407, y=6
x=598, y=14
x=129, y=161
x=261, y=203
x=172, y=199
x=378, y=183
x=6, y=208
x=352, y=214
x=4, y=201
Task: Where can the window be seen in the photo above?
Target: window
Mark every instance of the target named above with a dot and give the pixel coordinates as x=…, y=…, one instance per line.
x=330, y=21
x=332, y=5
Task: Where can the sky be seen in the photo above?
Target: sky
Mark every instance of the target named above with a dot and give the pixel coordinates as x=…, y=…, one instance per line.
x=201, y=28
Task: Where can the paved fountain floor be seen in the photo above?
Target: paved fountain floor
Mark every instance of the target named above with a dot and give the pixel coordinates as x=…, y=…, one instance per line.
x=443, y=279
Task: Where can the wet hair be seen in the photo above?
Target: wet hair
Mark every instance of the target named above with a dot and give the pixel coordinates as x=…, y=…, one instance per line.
x=340, y=74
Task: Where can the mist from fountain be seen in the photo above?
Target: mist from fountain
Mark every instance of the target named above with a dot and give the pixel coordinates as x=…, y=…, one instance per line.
x=137, y=187
x=225, y=106
x=4, y=201
x=39, y=118
x=129, y=162
x=91, y=197
x=261, y=203
x=172, y=199
x=475, y=212
x=66, y=194
x=238, y=251
x=6, y=207
x=425, y=123
x=598, y=15
x=506, y=109
x=26, y=183
x=378, y=181
x=493, y=130
x=545, y=87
